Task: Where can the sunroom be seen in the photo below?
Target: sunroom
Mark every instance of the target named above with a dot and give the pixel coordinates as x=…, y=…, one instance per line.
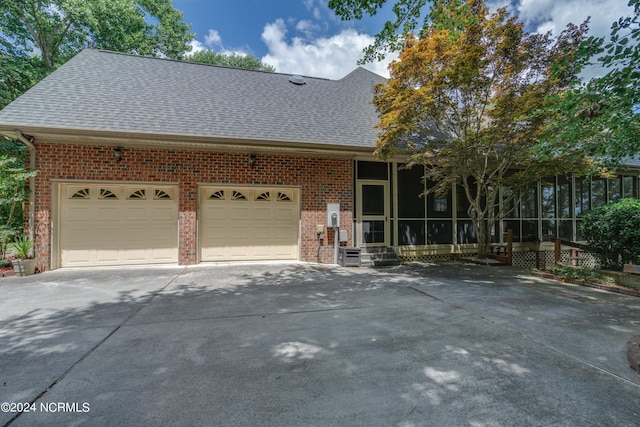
x=391, y=211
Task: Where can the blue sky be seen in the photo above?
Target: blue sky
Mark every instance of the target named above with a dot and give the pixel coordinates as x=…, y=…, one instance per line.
x=305, y=37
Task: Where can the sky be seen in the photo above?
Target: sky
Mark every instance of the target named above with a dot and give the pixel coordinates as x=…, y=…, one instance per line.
x=306, y=37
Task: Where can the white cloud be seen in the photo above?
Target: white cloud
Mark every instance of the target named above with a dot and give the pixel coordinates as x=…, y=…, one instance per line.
x=330, y=57
x=544, y=15
x=307, y=28
x=213, y=39
x=309, y=4
x=196, y=46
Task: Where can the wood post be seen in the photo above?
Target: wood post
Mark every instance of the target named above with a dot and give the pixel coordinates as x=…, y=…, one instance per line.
x=509, y=246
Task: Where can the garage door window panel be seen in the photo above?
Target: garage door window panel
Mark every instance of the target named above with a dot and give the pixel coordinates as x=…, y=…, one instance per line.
x=139, y=194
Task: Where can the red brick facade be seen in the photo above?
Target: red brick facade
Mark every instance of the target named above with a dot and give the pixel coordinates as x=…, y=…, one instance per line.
x=321, y=181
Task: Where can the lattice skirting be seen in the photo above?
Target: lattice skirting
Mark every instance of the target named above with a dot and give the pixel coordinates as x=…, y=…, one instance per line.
x=426, y=258
x=523, y=259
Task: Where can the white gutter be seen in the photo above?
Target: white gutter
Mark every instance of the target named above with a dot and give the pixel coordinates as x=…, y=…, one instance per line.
x=28, y=141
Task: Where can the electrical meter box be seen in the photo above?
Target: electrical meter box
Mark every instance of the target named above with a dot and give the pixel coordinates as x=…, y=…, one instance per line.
x=333, y=215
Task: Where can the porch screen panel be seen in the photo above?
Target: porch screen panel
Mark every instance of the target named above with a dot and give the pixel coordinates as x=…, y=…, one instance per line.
x=523, y=214
x=373, y=232
x=439, y=205
x=466, y=232
x=548, y=200
x=411, y=232
x=549, y=229
x=565, y=229
x=628, y=186
x=439, y=232
x=514, y=225
x=511, y=200
x=410, y=189
x=564, y=198
x=598, y=192
x=529, y=229
x=615, y=189
x=373, y=201
x=583, y=196
x=373, y=170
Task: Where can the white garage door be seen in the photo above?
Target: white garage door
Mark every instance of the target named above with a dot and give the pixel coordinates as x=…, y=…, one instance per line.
x=239, y=223
x=110, y=224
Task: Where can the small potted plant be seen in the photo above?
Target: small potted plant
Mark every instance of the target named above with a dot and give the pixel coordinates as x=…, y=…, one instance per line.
x=24, y=264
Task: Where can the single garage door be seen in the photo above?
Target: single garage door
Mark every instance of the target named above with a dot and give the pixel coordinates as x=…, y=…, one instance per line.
x=239, y=223
x=110, y=224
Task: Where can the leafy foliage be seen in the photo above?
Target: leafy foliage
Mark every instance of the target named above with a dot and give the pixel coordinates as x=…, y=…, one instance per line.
x=581, y=273
x=23, y=246
x=248, y=62
x=601, y=116
x=389, y=39
x=13, y=192
x=460, y=101
x=19, y=73
x=60, y=28
x=37, y=36
x=612, y=233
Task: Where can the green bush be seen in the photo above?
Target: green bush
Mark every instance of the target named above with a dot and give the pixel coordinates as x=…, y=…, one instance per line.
x=612, y=233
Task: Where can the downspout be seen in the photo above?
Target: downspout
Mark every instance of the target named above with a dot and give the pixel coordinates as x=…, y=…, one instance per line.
x=28, y=141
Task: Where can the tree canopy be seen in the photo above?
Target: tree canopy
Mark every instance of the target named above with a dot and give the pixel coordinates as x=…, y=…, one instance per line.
x=389, y=39
x=37, y=36
x=248, y=62
x=461, y=100
x=601, y=116
x=58, y=29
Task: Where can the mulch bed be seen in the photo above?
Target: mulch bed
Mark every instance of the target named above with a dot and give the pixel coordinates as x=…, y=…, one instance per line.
x=609, y=287
x=7, y=271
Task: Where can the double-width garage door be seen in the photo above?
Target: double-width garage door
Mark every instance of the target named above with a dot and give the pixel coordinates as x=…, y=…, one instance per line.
x=111, y=224
x=242, y=223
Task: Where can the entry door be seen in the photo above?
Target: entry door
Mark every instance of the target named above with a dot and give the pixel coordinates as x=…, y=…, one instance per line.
x=373, y=213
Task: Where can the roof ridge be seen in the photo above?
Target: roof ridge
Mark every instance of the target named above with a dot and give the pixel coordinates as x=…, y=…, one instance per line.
x=181, y=61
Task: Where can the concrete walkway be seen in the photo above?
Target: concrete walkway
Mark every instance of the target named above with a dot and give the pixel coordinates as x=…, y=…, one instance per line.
x=299, y=344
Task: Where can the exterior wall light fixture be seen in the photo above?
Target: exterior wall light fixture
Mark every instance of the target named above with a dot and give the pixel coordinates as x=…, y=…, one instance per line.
x=117, y=154
x=252, y=159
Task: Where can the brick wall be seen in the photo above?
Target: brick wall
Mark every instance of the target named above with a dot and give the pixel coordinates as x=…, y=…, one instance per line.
x=321, y=181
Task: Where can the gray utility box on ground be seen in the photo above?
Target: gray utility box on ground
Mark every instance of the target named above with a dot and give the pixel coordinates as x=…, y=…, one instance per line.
x=349, y=256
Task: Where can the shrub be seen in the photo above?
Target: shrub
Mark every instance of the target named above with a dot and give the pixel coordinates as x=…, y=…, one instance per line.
x=612, y=233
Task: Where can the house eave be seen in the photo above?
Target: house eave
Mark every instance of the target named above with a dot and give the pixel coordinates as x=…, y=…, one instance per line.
x=184, y=142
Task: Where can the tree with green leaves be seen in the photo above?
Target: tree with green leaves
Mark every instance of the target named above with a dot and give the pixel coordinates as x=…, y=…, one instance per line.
x=612, y=233
x=13, y=193
x=601, y=117
x=19, y=71
x=37, y=36
x=58, y=29
x=460, y=101
x=389, y=39
x=248, y=62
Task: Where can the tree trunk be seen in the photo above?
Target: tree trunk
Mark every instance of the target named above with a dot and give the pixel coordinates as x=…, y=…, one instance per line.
x=483, y=238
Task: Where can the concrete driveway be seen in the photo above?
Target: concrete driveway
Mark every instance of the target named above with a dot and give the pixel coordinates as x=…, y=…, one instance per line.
x=298, y=344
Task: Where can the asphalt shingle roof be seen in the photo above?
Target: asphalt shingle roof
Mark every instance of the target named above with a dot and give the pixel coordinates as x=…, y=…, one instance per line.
x=111, y=92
